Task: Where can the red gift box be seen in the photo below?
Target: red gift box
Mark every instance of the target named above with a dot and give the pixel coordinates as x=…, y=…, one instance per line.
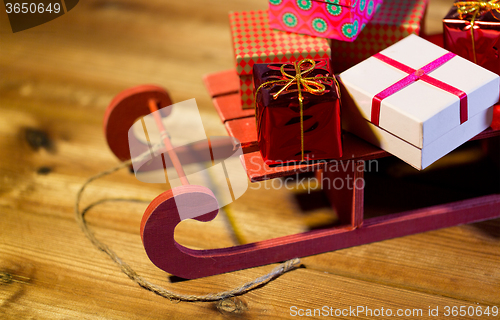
x=287, y=129
x=472, y=30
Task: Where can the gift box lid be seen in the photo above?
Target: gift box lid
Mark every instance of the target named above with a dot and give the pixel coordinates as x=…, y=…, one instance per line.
x=267, y=73
x=420, y=112
x=254, y=42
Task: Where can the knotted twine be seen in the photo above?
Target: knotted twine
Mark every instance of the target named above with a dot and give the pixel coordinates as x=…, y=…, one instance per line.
x=172, y=296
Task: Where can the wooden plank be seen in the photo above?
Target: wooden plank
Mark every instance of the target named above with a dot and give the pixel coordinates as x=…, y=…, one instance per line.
x=353, y=149
x=229, y=107
x=224, y=88
x=244, y=131
x=221, y=83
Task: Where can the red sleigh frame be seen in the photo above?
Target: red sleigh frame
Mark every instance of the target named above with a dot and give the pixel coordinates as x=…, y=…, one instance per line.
x=354, y=229
x=161, y=217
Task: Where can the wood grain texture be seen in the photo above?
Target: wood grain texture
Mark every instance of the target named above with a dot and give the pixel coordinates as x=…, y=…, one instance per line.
x=57, y=80
x=229, y=107
x=222, y=83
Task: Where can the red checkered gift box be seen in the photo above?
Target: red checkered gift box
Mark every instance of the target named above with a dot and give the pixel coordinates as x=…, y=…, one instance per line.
x=393, y=21
x=254, y=42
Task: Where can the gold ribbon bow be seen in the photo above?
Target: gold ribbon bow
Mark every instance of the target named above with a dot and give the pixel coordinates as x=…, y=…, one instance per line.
x=475, y=8
x=304, y=83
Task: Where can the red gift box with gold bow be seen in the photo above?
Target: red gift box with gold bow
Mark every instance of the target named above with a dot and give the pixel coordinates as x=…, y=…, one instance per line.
x=297, y=111
x=472, y=30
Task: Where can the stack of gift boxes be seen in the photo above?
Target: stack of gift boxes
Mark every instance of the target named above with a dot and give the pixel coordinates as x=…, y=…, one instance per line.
x=394, y=89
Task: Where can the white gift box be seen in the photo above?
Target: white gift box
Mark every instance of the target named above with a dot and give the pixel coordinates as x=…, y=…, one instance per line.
x=421, y=122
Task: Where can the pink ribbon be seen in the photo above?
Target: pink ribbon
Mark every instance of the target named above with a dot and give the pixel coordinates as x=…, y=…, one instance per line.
x=413, y=76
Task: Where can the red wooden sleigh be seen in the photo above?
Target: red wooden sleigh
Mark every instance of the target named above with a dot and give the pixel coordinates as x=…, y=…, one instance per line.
x=161, y=216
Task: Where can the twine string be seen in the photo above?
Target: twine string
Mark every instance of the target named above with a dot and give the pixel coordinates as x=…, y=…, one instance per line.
x=172, y=296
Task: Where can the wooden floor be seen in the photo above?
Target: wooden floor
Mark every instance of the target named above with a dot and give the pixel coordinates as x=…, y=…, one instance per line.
x=55, y=83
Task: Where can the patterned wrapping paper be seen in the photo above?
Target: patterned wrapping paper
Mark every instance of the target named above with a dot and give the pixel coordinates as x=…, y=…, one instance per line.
x=246, y=91
x=334, y=19
x=393, y=21
x=254, y=42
